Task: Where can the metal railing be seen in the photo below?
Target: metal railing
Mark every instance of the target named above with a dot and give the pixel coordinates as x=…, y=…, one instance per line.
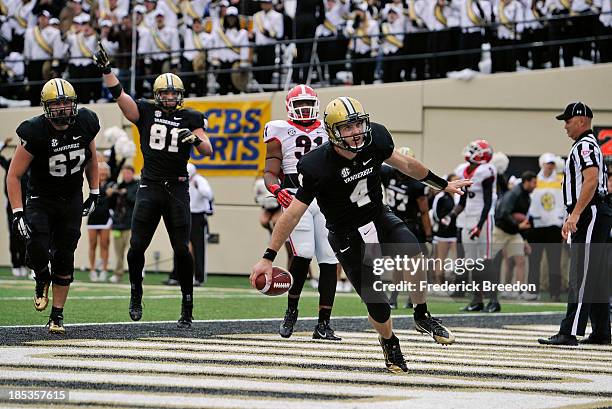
x=283, y=67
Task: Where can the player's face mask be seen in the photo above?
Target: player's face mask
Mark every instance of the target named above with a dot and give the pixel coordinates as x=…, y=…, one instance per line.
x=62, y=111
x=169, y=99
x=304, y=110
x=355, y=134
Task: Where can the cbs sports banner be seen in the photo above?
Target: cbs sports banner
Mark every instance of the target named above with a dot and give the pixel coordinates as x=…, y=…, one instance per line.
x=235, y=130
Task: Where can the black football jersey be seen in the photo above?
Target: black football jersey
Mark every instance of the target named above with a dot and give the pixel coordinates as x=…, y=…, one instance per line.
x=60, y=157
x=401, y=193
x=348, y=191
x=165, y=157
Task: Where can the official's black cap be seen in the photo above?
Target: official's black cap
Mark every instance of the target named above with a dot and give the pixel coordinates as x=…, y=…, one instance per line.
x=575, y=109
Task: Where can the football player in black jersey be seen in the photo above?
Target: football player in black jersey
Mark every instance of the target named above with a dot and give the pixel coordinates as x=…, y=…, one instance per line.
x=406, y=197
x=344, y=176
x=167, y=134
x=56, y=147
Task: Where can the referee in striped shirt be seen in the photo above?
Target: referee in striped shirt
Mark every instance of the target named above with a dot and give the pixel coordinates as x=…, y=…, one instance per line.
x=586, y=228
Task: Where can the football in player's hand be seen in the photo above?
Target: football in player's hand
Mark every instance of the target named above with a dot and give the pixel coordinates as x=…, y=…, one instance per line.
x=281, y=282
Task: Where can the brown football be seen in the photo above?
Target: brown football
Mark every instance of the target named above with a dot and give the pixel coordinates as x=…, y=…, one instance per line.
x=281, y=282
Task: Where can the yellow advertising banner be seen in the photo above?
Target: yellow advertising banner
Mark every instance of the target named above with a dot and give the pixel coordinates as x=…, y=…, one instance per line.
x=235, y=130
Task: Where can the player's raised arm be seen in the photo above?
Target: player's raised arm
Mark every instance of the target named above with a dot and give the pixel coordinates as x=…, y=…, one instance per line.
x=282, y=229
x=126, y=103
x=417, y=170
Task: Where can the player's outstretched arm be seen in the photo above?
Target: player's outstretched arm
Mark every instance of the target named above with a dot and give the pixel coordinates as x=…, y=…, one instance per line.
x=282, y=229
x=19, y=166
x=125, y=102
x=418, y=171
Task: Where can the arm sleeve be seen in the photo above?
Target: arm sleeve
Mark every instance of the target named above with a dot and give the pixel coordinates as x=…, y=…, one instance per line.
x=383, y=141
x=487, y=196
x=306, y=191
x=25, y=133
x=586, y=156
x=5, y=163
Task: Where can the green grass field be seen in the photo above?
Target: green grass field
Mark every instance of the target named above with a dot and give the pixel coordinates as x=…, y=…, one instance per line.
x=223, y=297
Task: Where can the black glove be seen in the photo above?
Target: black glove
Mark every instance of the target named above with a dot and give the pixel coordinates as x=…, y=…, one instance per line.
x=186, y=136
x=90, y=204
x=21, y=226
x=101, y=59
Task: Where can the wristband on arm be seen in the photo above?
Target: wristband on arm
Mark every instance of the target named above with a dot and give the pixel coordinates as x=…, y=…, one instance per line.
x=434, y=181
x=269, y=254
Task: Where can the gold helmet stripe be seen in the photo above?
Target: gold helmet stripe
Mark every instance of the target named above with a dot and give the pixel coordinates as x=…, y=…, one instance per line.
x=350, y=109
x=60, y=87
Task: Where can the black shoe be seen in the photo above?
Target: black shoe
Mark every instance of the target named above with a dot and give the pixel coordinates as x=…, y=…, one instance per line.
x=324, y=331
x=559, y=339
x=286, y=328
x=433, y=326
x=394, y=359
x=135, y=305
x=493, y=306
x=595, y=340
x=473, y=307
x=41, y=295
x=408, y=305
x=393, y=305
x=56, y=325
x=186, y=318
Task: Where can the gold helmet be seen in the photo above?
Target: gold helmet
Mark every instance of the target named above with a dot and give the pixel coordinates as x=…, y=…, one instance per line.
x=168, y=82
x=342, y=111
x=404, y=150
x=53, y=96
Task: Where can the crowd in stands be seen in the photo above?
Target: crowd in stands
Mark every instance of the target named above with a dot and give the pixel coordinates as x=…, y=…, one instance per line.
x=232, y=46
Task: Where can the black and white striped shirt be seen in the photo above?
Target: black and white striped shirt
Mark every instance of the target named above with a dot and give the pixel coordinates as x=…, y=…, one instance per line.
x=585, y=153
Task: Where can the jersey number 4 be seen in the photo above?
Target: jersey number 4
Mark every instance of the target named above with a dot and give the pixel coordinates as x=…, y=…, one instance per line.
x=157, y=139
x=57, y=163
x=303, y=141
x=360, y=193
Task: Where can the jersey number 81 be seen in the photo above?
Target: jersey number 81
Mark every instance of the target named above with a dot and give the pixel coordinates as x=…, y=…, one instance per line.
x=157, y=138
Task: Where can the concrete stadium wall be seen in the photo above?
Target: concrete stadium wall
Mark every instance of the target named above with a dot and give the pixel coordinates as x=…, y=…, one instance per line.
x=436, y=118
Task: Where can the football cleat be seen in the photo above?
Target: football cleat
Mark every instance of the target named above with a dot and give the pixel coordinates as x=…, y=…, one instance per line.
x=41, y=295
x=473, y=307
x=394, y=359
x=492, y=306
x=433, y=326
x=325, y=332
x=286, y=328
x=186, y=318
x=559, y=339
x=135, y=305
x=56, y=325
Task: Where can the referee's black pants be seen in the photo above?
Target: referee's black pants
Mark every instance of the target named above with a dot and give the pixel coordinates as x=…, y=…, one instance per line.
x=589, y=285
x=546, y=239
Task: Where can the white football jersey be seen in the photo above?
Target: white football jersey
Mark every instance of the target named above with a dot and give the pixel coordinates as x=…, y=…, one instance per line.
x=295, y=140
x=475, y=198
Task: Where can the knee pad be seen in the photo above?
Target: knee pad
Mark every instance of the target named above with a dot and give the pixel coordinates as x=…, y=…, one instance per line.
x=327, y=284
x=380, y=312
x=62, y=281
x=37, y=257
x=62, y=263
x=299, y=271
